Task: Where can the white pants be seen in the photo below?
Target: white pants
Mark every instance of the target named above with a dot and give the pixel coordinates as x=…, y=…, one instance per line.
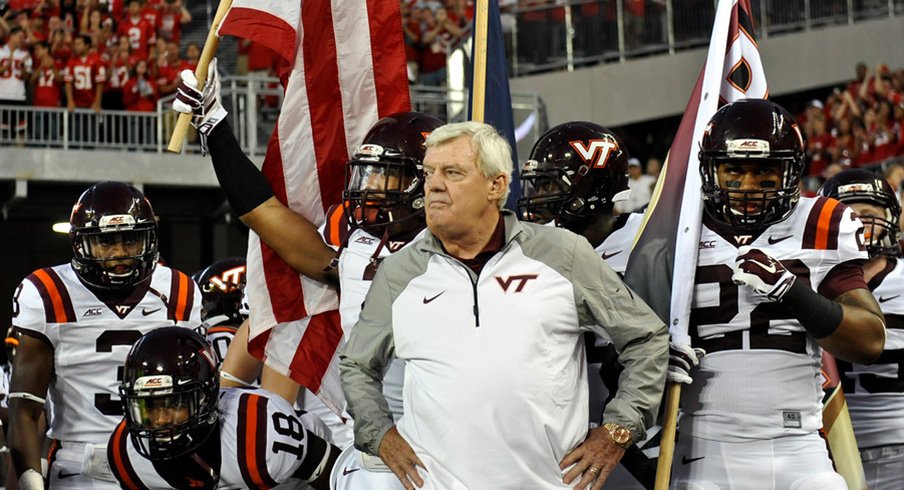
x=81, y=466
x=884, y=467
x=349, y=473
x=786, y=463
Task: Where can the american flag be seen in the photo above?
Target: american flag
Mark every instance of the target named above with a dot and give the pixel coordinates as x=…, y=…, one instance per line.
x=343, y=68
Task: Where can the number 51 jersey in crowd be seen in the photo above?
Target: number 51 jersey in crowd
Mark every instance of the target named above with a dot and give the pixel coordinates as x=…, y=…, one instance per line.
x=259, y=442
x=91, y=338
x=760, y=378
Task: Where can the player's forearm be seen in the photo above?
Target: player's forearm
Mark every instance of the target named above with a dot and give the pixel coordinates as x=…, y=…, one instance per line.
x=24, y=438
x=860, y=336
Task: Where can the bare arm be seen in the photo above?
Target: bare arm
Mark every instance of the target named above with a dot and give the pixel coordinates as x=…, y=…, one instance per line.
x=861, y=335
x=294, y=238
x=31, y=374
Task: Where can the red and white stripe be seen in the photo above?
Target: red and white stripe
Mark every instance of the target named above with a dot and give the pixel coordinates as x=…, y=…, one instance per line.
x=344, y=69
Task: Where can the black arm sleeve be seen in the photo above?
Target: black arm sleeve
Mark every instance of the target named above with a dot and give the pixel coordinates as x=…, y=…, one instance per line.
x=244, y=185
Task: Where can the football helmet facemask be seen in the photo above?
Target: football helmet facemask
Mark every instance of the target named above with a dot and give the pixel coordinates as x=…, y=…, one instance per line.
x=385, y=183
x=169, y=392
x=880, y=234
x=751, y=132
x=576, y=171
x=222, y=287
x=107, y=216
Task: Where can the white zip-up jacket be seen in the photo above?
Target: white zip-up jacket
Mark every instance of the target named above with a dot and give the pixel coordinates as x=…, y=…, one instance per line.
x=495, y=387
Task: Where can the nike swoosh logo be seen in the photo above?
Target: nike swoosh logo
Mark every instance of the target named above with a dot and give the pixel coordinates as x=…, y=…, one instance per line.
x=773, y=240
x=146, y=312
x=613, y=254
x=426, y=300
x=883, y=300
x=768, y=268
x=346, y=471
x=686, y=460
x=62, y=475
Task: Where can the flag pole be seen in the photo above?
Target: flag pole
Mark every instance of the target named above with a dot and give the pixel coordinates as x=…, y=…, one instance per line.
x=479, y=80
x=210, y=48
x=667, y=441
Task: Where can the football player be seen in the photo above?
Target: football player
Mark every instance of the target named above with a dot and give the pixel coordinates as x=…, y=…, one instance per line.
x=576, y=173
x=778, y=279
x=77, y=322
x=875, y=393
x=223, y=307
x=382, y=211
x=181, y=430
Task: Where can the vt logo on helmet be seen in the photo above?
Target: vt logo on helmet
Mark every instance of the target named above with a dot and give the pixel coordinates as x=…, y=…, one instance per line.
x=576, y=171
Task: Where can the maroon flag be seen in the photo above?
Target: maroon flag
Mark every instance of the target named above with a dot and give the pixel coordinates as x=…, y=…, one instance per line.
x=343, y=68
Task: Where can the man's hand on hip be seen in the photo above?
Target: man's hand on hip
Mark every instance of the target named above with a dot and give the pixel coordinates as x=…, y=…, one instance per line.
x=593, y=460
x=397, y=454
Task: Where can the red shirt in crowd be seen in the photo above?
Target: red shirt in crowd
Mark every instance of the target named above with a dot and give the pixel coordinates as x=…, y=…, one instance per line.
x=135, y=100
x=141, y=35
x=47, y=92
x=169, y=25
x=85, y=74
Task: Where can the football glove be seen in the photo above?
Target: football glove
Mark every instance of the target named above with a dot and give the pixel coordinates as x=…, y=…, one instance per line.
x=682, y=358
x=761, y=273
x=205, y=106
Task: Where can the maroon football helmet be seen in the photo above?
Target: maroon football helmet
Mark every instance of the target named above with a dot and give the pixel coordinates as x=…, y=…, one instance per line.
x=385, y=181
x=576, y=171
x=881, y=234
x=751, y=131
x=175, y=369
x=107, y=214
x=222, y=287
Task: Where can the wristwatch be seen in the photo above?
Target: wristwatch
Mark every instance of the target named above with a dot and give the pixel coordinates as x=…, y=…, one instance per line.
x=619, y=434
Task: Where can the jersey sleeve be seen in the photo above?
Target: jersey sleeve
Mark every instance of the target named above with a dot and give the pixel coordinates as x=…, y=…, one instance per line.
x=835, y=232
x=35, y=308
x=184, y=305
x=334, y=229
x=273, y=445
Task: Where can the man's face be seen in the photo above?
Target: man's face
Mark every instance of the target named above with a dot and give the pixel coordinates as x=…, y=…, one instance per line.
x=741, y=176
x=456, y=193
x=79, y=46
x=113, y=248
x=375, y=179
x=873, y=232
x=163, y=412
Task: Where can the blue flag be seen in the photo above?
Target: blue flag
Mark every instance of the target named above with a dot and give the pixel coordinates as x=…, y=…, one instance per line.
x=497, y=109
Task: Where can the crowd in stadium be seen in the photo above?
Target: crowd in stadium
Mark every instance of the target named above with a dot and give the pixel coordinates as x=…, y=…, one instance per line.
x=93, y=54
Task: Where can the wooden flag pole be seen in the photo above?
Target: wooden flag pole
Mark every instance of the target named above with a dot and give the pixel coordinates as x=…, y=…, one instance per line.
x=479, y=80
x=667, y=442
x=210, y=48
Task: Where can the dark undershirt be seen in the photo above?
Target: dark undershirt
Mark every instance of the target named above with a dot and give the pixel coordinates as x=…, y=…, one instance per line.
x=494, y=245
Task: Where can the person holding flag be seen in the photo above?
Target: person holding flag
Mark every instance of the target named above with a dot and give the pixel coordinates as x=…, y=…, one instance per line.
x=778, y=278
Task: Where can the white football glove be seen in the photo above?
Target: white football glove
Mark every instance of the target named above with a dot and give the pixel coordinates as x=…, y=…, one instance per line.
x=206, y=106
x=761, y=273
x=682, y=358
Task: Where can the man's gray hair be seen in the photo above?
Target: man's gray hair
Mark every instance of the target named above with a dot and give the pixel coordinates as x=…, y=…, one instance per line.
x=494, y=155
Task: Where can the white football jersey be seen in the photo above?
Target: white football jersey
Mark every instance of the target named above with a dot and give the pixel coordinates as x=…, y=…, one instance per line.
x=875, y=393
x=760, y=378
x=91, y=338
x=358, y=263
x=219, y=337
x=261, y=443
x=12, y=79
x=616, y=248
x=4, y=386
